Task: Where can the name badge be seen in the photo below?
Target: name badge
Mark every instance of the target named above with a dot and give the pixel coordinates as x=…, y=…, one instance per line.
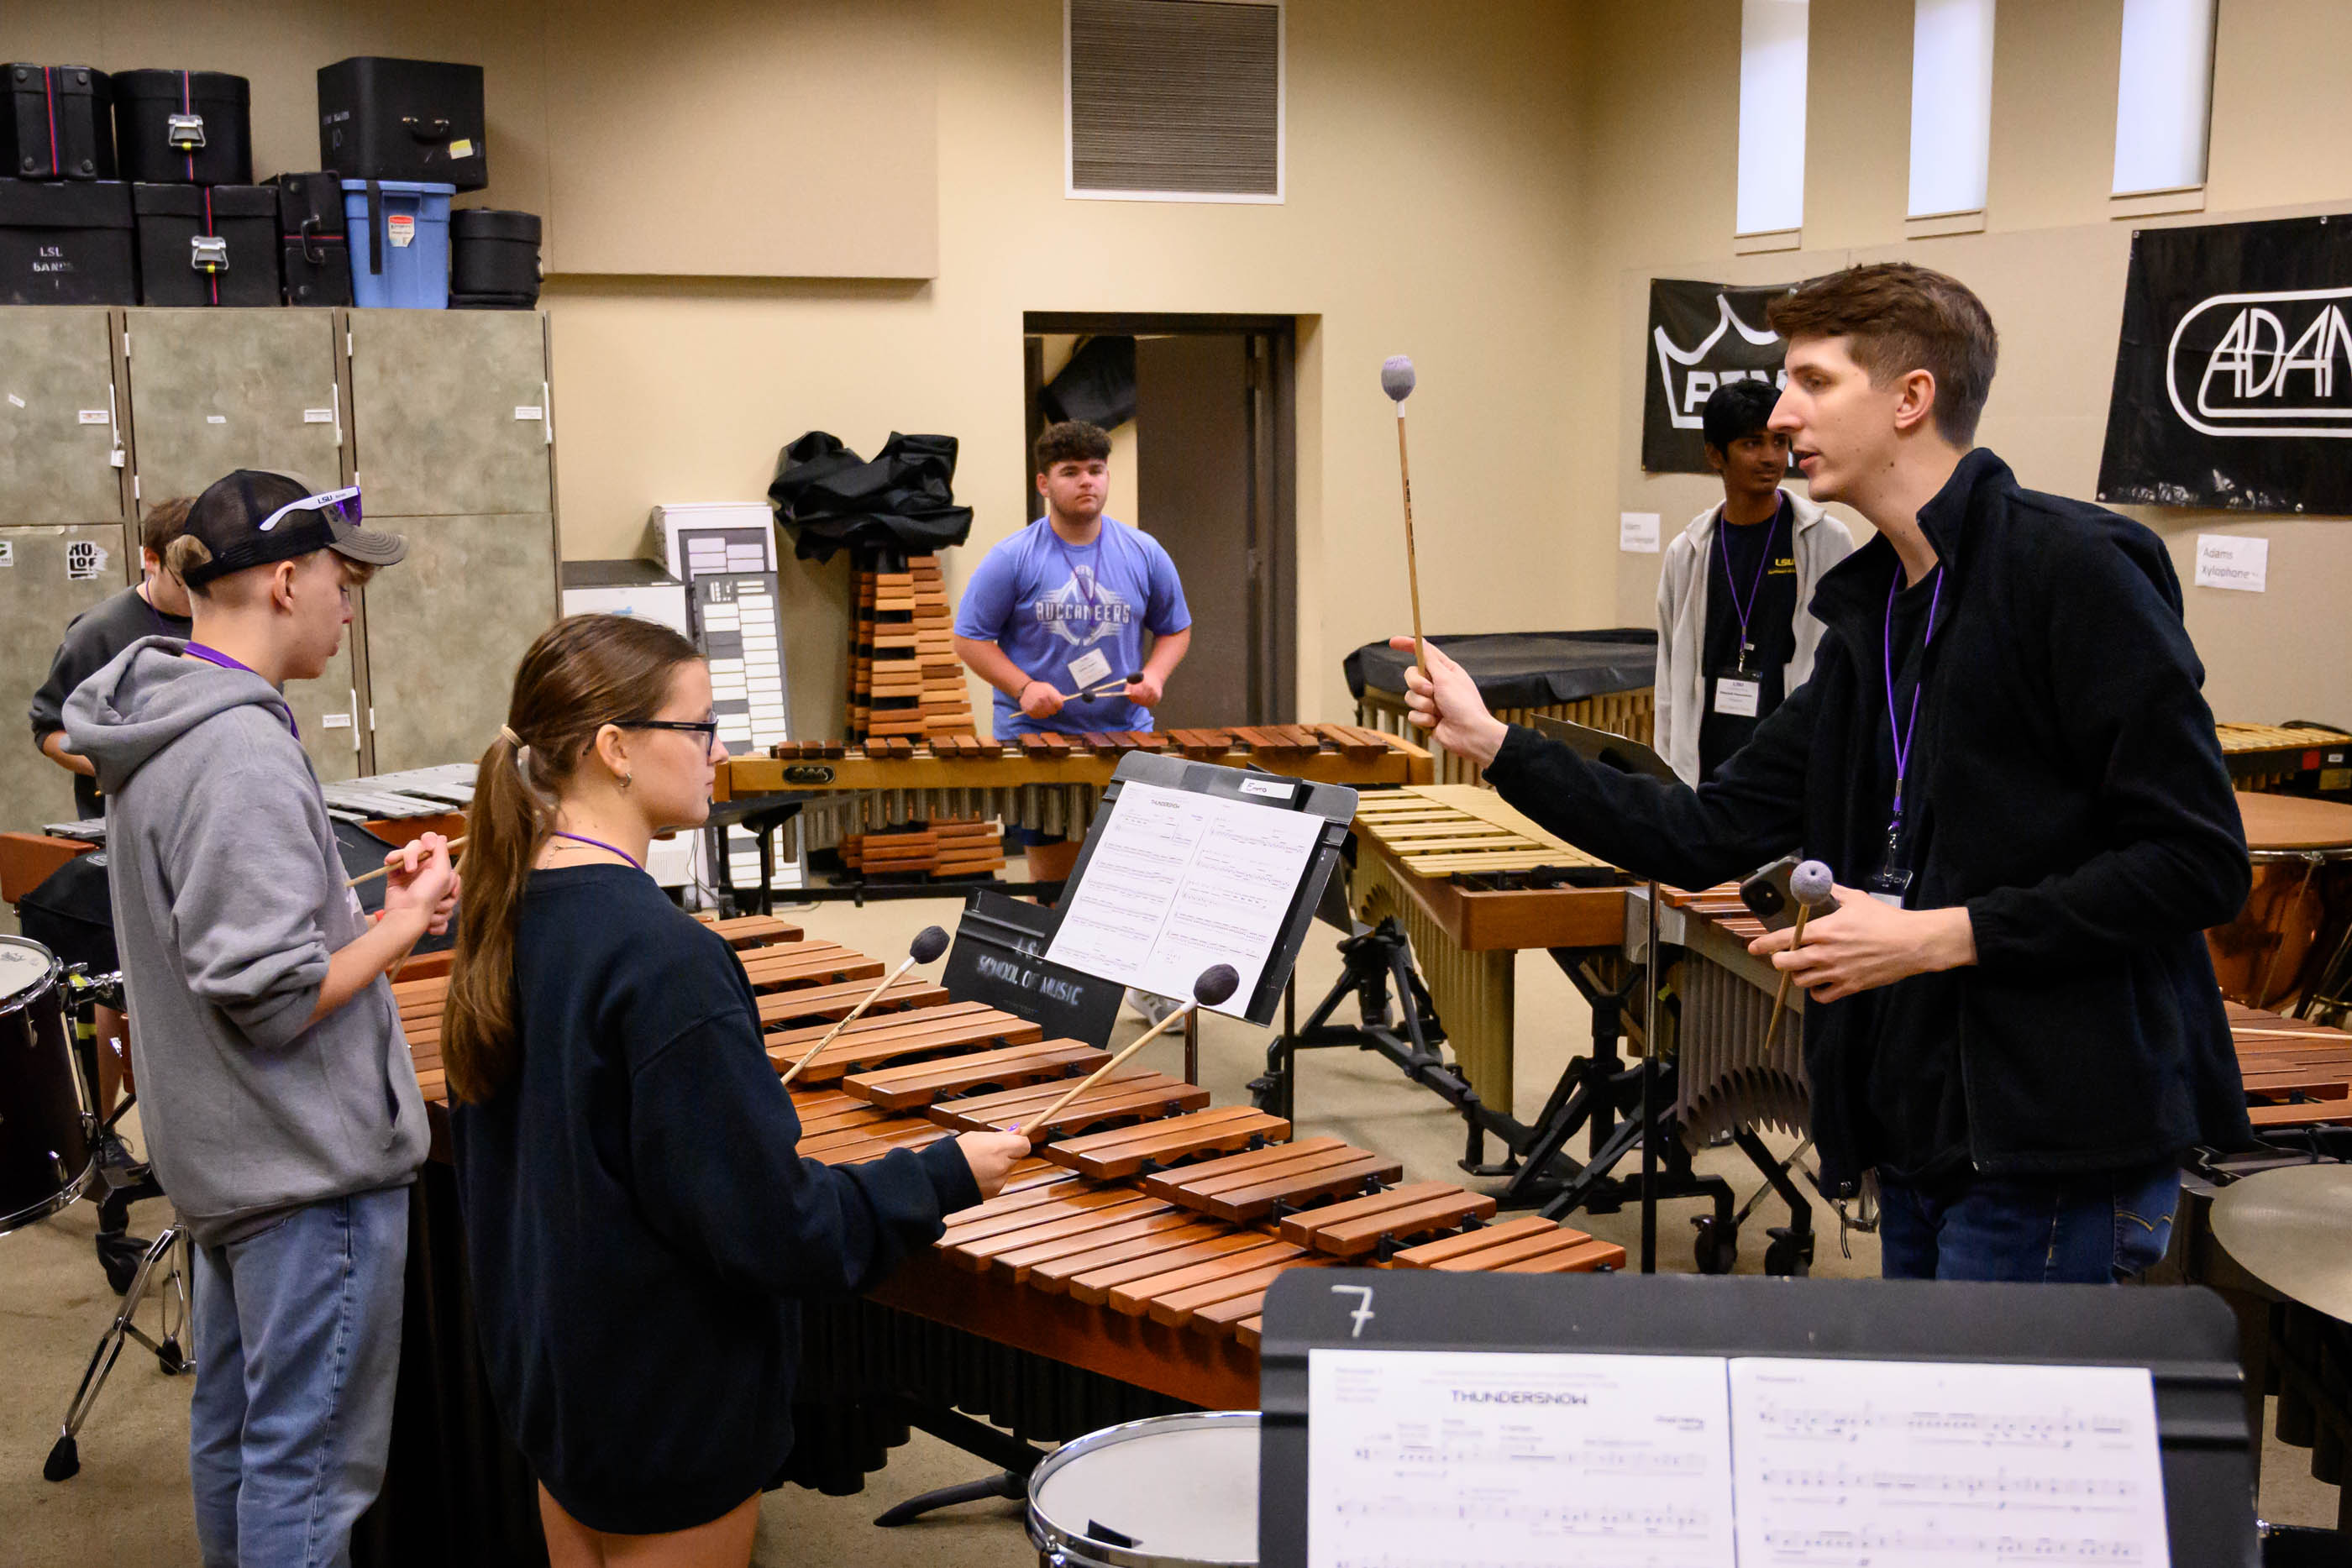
x=1892, y=900
x=1089, y=671
x=1736, y=698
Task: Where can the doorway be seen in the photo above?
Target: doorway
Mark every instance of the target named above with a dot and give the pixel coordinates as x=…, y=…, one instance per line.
x=1201, y=412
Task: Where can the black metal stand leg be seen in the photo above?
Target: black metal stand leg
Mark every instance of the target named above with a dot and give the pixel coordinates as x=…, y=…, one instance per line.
x=975, y=1438
x=65, y=1456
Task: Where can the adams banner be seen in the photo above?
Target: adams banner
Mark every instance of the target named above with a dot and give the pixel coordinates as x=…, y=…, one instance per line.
x=1701, y=335
x=2233, y=374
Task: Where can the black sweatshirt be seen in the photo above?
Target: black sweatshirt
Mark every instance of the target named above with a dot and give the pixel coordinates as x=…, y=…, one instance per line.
x=93, y=639
x=639, y=1227
x=2075, y=800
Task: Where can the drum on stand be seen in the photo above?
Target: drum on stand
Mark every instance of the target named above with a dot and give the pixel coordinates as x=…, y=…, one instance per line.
x=46, y=1156
x=2294, y=937
x=1172, y=1491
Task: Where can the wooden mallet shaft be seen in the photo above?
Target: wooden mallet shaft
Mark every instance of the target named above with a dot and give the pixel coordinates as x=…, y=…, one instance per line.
x=1397, y=380
x=385, y=870
x=1091, y=1079
x=927, y=944
x=1780, y=997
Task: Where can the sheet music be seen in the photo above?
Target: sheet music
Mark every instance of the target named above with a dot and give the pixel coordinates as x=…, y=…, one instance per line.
x=1931, y=1465
x=1179, y=882
x=1500, y=1458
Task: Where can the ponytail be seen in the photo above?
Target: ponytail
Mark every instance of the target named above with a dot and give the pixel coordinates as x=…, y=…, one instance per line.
x=582, y=674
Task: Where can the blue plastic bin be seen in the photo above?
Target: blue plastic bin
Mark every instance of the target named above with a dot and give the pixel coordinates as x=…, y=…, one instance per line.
x=409, y=270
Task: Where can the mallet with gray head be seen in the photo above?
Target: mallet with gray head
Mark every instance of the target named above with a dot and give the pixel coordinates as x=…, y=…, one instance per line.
x=1397, y=380
x=1812, y=887
x=928, y=943
x=1216, y=983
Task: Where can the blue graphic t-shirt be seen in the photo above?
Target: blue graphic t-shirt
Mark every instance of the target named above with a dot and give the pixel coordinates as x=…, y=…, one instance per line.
x=1051, y=605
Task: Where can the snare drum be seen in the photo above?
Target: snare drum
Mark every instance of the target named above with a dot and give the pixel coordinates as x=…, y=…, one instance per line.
x=2293, y=927
x=1173, y=1491
x=45, y=1139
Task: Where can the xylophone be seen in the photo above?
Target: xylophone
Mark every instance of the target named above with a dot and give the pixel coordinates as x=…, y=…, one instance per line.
x=2289, y=758
x=1632, y=714
x=1437, y=860
x=1119, y=1272
x=1048, y=782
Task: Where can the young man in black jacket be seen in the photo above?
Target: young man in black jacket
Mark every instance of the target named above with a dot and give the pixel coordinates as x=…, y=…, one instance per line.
x=2004, y=756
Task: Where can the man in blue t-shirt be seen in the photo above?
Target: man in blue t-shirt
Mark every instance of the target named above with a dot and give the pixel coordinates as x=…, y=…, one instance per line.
x=1059, y=610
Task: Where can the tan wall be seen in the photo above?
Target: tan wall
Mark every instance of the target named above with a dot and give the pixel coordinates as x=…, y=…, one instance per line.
x=2051, y=266
x=1432, y=212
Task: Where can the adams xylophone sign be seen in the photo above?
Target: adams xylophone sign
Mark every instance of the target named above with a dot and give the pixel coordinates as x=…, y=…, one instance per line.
x=2233, y=374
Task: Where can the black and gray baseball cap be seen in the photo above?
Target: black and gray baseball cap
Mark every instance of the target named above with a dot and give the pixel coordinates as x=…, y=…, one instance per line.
x=253, y=517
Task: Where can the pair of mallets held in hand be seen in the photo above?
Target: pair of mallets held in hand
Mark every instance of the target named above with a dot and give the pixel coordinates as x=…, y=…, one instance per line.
x=1107, y=688
x=1215, y=984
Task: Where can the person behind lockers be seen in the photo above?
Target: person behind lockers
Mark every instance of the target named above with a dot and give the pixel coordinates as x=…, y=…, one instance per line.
x=1735, y=636
x=279, y=1098
x=154, y=606
x=640, y=1227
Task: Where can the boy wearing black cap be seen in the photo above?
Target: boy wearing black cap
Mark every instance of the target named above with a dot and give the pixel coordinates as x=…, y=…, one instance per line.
x=281, y=1109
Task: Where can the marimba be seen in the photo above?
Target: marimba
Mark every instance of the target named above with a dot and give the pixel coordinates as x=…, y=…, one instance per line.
x=1121, y=1270
x=2298, y=1074
x=1051, y=783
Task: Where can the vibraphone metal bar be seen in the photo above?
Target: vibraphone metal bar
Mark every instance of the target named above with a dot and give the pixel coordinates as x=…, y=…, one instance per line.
x=1130, y=1252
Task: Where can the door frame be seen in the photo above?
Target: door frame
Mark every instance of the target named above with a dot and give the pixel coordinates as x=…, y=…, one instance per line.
x=1272, y=343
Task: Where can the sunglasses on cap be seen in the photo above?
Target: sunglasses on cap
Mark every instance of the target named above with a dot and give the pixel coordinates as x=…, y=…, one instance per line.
x=342, y=506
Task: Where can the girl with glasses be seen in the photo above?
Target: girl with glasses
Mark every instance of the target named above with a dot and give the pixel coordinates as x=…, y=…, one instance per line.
x=639, y=1225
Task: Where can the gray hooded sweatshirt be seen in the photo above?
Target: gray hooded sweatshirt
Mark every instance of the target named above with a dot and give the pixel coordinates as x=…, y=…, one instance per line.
x=228, y=897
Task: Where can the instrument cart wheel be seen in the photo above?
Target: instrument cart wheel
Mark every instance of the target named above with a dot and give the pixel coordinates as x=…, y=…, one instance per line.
x=1718, y=1248
x=1790, y=1256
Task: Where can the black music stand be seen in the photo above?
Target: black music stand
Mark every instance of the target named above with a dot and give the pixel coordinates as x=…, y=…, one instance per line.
x=1335, y=803
x=2187, y=1339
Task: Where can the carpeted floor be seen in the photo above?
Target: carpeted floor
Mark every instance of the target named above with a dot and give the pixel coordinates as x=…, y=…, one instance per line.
x=130, y=1504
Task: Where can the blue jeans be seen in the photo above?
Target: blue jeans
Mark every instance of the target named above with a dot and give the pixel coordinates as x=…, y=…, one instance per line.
x=298, y=1350
x=2092, y=1229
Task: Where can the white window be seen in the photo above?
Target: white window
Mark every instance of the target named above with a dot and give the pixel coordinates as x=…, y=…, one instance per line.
x=1951, y=105
x=2164, y=96
x=1772, y=42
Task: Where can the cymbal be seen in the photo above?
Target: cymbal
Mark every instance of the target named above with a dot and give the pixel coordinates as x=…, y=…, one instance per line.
x=2291, y=1230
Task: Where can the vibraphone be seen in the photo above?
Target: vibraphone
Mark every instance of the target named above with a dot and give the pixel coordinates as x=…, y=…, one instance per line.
x=2296, y=759
x=1051, y=783
x=1119, y=1272
x=2299, y=1078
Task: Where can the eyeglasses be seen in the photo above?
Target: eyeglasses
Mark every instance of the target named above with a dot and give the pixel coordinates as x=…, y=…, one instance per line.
x=706, y=727
x=343, y=504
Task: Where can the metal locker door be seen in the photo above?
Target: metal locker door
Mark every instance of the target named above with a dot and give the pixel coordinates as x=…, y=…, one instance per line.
x=446, y=629
x=59, y=417
x=450, y=411
x=47, y=575
x=213, y=391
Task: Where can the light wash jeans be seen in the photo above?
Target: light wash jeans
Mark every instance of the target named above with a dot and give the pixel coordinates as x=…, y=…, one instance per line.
x=297, y=1351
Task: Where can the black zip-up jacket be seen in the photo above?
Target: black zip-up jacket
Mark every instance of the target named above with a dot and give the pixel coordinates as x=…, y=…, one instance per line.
x=2076, y=803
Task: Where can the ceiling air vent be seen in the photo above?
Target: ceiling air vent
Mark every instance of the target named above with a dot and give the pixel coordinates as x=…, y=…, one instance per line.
x=1175, y=99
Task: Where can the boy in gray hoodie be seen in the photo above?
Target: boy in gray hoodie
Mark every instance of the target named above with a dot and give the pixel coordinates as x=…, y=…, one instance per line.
x=276, y=1094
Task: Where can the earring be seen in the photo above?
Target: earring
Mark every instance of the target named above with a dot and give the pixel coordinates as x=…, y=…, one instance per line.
x=627, y=780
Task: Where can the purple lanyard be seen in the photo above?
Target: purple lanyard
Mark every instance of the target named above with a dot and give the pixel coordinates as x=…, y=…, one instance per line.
x=1755, y=590
x=585, y=839
x=214, y=656
x=1090, y=588
x=1902, y=741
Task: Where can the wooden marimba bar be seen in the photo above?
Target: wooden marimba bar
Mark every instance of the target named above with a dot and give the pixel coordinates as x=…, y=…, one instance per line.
x=1137, y=1242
